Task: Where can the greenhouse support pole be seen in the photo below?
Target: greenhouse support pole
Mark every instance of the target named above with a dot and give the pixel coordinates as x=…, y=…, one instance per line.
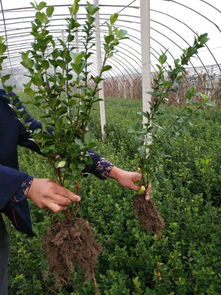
x=145, y=52
x=99, y=66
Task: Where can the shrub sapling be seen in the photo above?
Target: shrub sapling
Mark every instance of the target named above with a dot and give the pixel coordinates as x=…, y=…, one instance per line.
x=64, y=91
x=151, y=134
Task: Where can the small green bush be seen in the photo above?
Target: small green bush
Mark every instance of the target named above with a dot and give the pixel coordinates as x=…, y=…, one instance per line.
x=184, y=261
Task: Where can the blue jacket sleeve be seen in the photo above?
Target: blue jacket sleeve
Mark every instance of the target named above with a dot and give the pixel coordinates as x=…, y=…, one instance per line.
x=24, y=135
x=25, y=138
x=27, y=141
x=10, y=182
x=100, y=166
x=34, y=124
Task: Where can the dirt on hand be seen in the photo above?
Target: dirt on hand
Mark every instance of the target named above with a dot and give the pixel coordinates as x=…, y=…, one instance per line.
x=70, y=243
x=148, y=215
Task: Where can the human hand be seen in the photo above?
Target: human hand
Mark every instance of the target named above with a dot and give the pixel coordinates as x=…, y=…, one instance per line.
x=148, y=193
x=126, y=178
x=46, y=194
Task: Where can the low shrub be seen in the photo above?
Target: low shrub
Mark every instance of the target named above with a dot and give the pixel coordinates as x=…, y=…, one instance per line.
x=184, y=261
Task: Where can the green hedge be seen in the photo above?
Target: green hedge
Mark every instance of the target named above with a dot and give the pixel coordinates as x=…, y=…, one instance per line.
x=185, y=260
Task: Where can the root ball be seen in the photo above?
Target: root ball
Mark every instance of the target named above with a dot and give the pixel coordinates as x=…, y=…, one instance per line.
x=69, y=243
x=148, y=215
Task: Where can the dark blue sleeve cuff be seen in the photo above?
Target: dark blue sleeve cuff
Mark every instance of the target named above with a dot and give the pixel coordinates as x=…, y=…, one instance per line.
x=10, y=182
x=21, y=194
x=100, y=167
x=17, y=209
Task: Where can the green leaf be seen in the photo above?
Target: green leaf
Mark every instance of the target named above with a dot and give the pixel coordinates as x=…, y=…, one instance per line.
x=2, y=58
x=91, y=9
x=70, y=38
x=3, y=48
x=122, y=34
x=53, y=63
x=106, y=68
x=109, y=38
x=162, y=59
x=203, y=38
x=8, y=89
x=39, y=16
x=78, y=58
x=50, y=11
x=36, y=81
x=45, y=64
x=41, y=5
x=97, y=79
x=114, y=18
x=88, y=137
x=29, y=92
x=190, y=93
x=77, y=68
x=55, y=53
x=5, y=78
x=61, y=64
x=26, y=61
x=60, y=112
x=33, y=5
x=168, y=84
x=74, y=8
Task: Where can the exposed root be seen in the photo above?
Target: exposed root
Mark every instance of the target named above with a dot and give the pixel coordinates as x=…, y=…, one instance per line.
x=147, y=214
x=69, y=243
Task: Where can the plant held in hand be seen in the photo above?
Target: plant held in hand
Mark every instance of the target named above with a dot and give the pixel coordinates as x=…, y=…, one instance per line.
x=63, y=89
x=152, y=133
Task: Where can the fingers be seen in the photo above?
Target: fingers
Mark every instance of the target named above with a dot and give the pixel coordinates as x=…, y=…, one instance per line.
x=148, y=193
x=61, y=200
x=67, y=194
x=47, y=194
x=55, y=208
x=147, y=197
x=134, y=187
x=135, y=176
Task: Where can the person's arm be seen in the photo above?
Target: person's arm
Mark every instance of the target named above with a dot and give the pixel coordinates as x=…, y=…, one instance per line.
x=104, y=169
x=25, y=138
x=128, y=179
x=100, y=167
x=16, y=187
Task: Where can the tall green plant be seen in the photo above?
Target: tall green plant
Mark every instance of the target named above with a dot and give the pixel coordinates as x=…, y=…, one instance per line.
x=61, y=85
x=166, y=81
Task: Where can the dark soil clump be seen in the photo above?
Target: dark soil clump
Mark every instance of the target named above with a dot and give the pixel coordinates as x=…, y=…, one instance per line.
x=147, y=214
x=69, y=243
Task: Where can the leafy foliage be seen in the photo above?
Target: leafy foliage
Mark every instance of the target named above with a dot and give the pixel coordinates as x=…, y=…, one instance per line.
x=152, y=133
x=186, y=260
x=62, y=87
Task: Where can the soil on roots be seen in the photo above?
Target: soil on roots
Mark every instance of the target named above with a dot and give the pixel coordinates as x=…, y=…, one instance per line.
x=147, y=214
x=70, y=243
